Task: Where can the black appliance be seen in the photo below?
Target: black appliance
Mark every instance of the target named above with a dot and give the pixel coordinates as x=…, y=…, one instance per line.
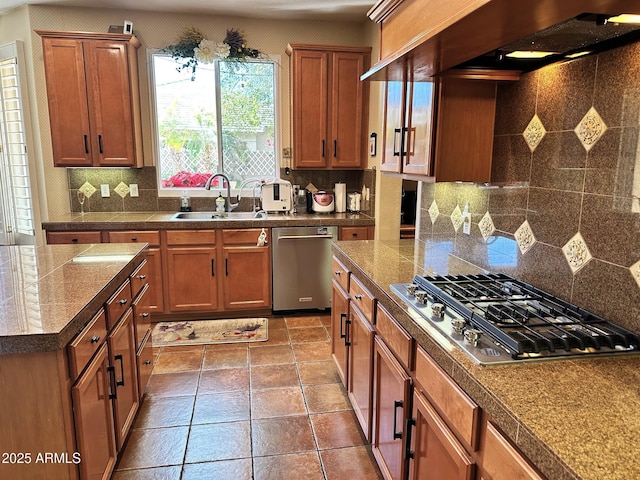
x=497, y=319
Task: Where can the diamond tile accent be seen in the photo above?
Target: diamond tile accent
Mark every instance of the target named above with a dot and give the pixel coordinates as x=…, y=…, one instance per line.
x=577, y=253
x=456, y=218
x=590, y=129
x=525, y=237
x=486, y=226
x=635, y=271
x=434, y=211
x=88, y=189
x=122, y=189
x=534, y=133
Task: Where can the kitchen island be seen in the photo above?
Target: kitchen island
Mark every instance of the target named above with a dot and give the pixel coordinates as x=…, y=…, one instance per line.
x=66, y=319
x=573, y=419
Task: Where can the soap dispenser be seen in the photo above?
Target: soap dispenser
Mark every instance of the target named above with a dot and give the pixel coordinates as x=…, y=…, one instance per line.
x=220, y=203
x=185, y=202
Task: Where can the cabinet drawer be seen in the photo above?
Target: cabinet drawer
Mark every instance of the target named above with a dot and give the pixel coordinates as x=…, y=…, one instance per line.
x=501, y=461
x=354, y=233
x=246, y=236
x=459, y=411
x=396, y=338
x=142, y=315
x=150, y=237
x=139, y=278
x=361, y=297
x=191, y=237
x=144, y=359
x=82, y=348
x=340, y=274
x=118, y=304
x=56, y=238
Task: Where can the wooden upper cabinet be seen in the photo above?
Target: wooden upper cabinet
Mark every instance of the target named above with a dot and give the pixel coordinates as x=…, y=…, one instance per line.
x=408, y=128
x=329, y=106
x=94, y=106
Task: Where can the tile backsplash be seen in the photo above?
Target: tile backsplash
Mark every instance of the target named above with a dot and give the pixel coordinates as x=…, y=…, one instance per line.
x=568, y=221
x=89, y=180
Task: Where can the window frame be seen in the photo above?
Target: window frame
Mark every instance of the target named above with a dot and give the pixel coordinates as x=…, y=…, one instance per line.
x=201, y=191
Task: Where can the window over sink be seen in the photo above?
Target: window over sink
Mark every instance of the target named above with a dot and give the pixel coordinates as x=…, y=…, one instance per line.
x=224, y=119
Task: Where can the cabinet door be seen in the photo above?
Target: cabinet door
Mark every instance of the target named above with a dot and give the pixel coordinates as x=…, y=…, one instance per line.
x=339, y=327
x=191, y=278
x=247, y=277
x=154, y=267
x=93, y=419
x=391, y=387
x=393, y=127
x=345, y=150
x=436, y=453
x=68, y=104
x=418, y=128
x=310, y=104
x=110, y=103
x=361, y=368
x=122, y=356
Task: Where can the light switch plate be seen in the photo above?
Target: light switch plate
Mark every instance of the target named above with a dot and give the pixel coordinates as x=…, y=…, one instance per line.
x=133, y=189
x=104, y=190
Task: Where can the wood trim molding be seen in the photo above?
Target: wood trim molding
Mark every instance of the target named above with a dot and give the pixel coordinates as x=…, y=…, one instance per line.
x=132, y=39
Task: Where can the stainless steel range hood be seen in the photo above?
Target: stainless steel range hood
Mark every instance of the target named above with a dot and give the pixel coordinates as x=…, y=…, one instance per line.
x=585, y=34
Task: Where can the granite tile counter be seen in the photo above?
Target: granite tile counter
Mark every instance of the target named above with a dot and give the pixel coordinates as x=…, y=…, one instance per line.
x=574, y=419
x=47, y=294
x=164, y=221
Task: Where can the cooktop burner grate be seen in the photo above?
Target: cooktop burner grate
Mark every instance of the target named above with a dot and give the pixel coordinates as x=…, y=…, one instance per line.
x=524, y=320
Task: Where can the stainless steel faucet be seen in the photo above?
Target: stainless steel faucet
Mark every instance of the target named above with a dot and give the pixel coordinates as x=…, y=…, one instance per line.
x=228, y=206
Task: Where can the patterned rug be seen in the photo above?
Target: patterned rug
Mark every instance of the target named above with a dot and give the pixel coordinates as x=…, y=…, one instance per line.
x=198, y=332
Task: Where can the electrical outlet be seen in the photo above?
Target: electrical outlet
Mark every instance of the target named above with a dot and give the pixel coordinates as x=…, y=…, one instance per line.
x=104, y=190
x=133, y=190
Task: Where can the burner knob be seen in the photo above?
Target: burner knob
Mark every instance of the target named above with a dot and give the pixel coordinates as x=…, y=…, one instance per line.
x=437, y=309
x=473, y=336
x=411, y=288
x=421, y=296
x=457, y=325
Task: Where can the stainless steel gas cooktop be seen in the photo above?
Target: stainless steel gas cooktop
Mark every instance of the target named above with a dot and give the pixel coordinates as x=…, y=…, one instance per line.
x=497, y=319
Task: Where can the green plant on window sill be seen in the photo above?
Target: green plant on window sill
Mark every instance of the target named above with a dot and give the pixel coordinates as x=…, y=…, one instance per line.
x=193, y=47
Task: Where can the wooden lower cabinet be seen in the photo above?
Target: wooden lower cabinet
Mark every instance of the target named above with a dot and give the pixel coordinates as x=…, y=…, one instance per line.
x=191, y=278
x=435, y=452
x=156, y=298
x=93, y=418
x=360, y=368
x=391, y=401
x=122, y=356
x=339, y=326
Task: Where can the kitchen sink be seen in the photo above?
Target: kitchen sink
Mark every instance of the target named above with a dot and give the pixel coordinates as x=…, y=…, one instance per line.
x=219, y=216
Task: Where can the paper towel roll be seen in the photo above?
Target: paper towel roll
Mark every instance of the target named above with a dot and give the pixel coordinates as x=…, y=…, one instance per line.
x=340, y=193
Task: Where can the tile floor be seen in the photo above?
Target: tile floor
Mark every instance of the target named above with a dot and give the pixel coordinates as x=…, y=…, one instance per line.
x=272, y=410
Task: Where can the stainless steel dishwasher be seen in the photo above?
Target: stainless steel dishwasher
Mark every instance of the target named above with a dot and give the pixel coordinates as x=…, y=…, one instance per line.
x=302, y=267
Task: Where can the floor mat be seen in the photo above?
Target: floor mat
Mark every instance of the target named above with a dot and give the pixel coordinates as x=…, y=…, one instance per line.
x=198, y=332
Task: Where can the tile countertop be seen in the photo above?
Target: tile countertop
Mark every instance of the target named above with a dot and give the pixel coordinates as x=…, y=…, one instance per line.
x=162, y=220
x=574, y=419
x=48, y=294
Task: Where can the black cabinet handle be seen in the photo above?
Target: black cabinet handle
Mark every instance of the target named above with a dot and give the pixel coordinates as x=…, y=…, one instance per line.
x=323, y=148
x=409, y=454
x=123, y=301
x=95, y=339
x=358, y=297
x=145, y=314
x=338, y=272
x=335, y=148
x=112, y=382
x=121, y=382
x=402, y=142
x=343, y=316
x=100, y=143
x=396, y=152
x=142, y=277
x=147, y=362
x=213, y=267
x=86, y=144
x=347, y=340
x=134, y=239
x=226, y=267
x=396, y=404
x=74, y=240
